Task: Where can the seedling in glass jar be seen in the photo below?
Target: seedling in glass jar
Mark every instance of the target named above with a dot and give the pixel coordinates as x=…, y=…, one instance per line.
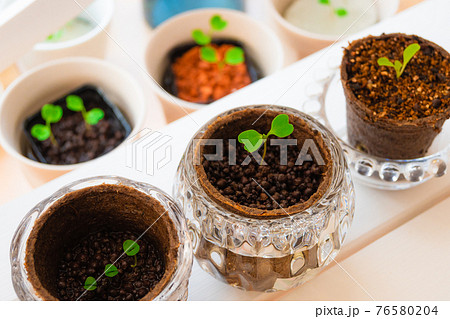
x=340, y=12
x=91, y=117
x=253, y=140
x=398, y=66
x=50, y=114
x=233, y=56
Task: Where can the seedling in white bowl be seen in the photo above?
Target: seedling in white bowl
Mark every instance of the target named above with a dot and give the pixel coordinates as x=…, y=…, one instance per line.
x=92, y=117
x=208, y=53
x=50, y=114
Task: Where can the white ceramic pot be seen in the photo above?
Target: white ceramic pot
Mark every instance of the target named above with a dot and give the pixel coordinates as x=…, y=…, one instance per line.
x=92, y=43
x=46, y=83
x=304, y=42
x=262, y=44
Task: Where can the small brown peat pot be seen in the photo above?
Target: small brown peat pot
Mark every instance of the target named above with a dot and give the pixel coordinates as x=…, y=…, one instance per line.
x=268, y=194
x=397, y=88
x=104, y=238
x=76, y=128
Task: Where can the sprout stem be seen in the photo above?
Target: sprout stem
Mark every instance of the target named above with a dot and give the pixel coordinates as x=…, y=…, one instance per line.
x=52, y=137
x=264, y=153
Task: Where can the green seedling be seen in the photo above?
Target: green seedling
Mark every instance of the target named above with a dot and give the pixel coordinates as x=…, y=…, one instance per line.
x=253, y=140
x=90, y=283
x=233, y=56
x=56, y=36
x=91, y=117
x=111, y=270
x=399, y=67
x=50, y=114
x=131, y=248
x=340, y=12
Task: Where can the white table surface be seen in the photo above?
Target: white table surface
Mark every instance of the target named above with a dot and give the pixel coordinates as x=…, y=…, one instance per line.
x=380, y=217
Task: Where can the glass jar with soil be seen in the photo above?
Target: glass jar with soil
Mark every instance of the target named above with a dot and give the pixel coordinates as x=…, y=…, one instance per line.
x=103, y=238
x=271, y=219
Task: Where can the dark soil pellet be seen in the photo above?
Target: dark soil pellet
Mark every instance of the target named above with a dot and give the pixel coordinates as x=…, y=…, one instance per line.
x=94, y=252
x=422, y=90
x=268, y=186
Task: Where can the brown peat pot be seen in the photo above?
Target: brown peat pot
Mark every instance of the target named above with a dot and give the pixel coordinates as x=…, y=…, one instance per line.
x=101, y=215
x=390, y=117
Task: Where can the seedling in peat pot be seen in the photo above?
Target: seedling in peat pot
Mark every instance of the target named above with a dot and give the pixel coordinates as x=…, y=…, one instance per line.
x=340, y=12
x=111, y=270
x=50, y=114
x=131, y=248
x=208, y=53
x=91, y=117
x=399, y=67
x=253, y=140
x=90, y=283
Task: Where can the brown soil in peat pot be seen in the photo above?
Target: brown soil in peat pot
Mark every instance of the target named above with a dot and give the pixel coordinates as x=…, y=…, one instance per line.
x=392, y=117
x=84, y=231
x=242, y=189
x=192, y=79
x=245, y=189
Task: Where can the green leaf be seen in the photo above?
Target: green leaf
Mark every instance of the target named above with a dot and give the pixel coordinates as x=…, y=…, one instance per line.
x=385, y=61
x=281, y=127
x=234, y=56
x=74, y=103
x=56, y=36
x=130, y=247
x=325, y=2
x=90, y=283
x=409, y=52
x=200, y=37
x=111, y=270
x=341, y=12
x=208, y=54
x=217, y=23
x=51, y=113
x=251, y=139
x=94, y=116
x=40, y=132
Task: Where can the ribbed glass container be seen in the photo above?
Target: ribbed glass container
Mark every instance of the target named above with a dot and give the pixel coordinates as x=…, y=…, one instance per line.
x=176, y=289
x=267, y=254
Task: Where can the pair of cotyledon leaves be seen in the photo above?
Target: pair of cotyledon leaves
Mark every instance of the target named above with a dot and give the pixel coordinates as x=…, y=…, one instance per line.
x=233, y=56
x=398, y=66
x=340, y=12
x=53, y=113
x=253, y=140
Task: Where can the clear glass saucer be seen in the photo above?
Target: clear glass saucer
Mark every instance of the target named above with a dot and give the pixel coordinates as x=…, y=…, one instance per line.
x=326, y=102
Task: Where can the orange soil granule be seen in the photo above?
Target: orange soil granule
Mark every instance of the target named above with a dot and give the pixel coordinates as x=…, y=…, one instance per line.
x=203, y=82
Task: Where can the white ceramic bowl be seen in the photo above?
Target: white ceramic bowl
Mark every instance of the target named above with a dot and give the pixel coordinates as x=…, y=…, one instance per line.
x=304, y=42
x=46, y=83
x=92, y=44
x=262, y=43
